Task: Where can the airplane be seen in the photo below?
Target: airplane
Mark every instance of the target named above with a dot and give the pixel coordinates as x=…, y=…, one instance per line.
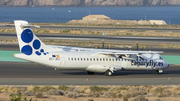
x=91, y=60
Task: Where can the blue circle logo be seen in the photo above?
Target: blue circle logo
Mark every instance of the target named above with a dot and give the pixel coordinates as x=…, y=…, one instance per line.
x=42, y=50
x=27, y=36
x=27, y=50
x=36, y=44
x=38, y=53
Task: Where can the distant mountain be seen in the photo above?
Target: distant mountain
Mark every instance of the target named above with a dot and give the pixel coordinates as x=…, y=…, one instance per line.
x=88, y=2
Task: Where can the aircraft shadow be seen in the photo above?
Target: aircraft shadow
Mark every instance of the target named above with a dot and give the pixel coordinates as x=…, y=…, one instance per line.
x=126, y=73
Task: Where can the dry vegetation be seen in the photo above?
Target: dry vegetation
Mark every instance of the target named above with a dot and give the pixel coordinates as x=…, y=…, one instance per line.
x=99, y=32
x=94, y=93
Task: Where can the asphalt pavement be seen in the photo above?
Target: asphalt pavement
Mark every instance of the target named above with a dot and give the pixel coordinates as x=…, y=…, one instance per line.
x=17, y=73
x=100, y=37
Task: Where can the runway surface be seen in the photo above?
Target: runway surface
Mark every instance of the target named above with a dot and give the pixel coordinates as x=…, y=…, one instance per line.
x=12, y=73
x=99, y=37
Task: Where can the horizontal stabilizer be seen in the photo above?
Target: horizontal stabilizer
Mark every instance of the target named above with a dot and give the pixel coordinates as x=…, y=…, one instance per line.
x=23, y=26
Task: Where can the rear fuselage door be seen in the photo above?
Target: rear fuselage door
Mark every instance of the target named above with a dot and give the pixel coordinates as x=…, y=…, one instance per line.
x=62, y=61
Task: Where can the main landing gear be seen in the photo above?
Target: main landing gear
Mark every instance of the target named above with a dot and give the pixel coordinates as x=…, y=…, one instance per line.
x=159, y=71
x=90, y=73
x=108, y=73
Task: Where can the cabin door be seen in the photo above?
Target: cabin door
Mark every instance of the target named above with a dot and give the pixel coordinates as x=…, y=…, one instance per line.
x=62, y=61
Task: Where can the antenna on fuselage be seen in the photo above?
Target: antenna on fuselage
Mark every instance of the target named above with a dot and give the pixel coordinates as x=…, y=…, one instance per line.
x=102, y=44
x=137, y=46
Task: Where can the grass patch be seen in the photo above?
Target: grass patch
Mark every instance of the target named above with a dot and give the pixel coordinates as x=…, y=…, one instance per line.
x=18, y=98
x=90, y=100
x=39, y=95
x=128, y=34
x=122, y=88
x=42, y=89
x=66, y=31
x=46, y=88
x=46, y=31
x=159, y=90
x=97, y=89
x=36, y=88
x=63, y=87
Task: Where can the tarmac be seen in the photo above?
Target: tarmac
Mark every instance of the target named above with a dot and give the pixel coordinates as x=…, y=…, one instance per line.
x=100, y=37
x=18, y=73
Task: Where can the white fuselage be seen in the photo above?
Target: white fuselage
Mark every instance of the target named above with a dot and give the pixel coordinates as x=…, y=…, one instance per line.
x=82, y=58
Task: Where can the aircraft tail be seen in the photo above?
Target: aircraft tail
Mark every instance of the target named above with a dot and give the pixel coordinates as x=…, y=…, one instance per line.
x=28, y=42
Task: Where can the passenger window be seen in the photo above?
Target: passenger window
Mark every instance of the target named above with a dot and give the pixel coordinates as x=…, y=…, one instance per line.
x=112, y=59
x=106, y=59
x=94, y=59
x=90, y=59
x=75, y=59
x=100, y=59
x=97, y=59
x=81, y=59
x=87, y=59
x=103, y=59
x=68, y=58
x=109, y=59
x=72, y=59
x=78, y=59
x=84, y=59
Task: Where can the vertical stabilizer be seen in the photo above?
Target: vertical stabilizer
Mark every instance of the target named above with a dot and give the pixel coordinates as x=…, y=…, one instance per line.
x=28, y=42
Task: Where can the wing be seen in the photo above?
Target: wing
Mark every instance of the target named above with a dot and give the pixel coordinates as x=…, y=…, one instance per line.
x=129, y=52
x=126, y=54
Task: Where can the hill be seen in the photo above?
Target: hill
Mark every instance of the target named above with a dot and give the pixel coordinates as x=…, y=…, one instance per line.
x=89, y=2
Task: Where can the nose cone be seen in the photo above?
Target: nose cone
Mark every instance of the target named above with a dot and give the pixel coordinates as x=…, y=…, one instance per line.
x=166, y=64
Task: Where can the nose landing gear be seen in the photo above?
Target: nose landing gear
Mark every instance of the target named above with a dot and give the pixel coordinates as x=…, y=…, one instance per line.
x=159, y=71
x=90, y=73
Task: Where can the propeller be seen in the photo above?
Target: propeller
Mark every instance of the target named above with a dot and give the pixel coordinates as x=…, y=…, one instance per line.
x=137, y=47
x=141, y=58
x=137, y=61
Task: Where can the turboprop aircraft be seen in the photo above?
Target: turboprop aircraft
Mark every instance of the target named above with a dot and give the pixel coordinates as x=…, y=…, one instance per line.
x=91, y=60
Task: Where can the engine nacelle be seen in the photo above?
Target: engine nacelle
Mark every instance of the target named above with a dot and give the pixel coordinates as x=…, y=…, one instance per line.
x=101, y=68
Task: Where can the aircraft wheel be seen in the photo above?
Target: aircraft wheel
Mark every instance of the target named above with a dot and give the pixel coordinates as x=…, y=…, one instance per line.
x=159, y=71
x=90, y=73
x=108, y=73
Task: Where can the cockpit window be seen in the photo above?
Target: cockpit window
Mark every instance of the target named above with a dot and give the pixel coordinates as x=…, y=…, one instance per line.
x=160, y=58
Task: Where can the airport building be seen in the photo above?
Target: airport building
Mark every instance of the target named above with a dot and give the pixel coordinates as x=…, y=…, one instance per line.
x=152, y=22
x=96, y=17
x=102, y=20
